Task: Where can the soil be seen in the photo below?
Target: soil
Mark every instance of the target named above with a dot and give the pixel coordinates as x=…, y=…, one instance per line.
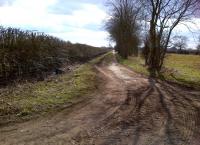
x=130, y=109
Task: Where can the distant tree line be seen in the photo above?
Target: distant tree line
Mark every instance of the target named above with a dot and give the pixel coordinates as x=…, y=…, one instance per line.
x=184, y=51
x=179, y=46
x=30, y=54
x=198, y=47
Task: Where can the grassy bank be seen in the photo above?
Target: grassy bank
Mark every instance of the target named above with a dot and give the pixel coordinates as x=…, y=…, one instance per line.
x=24, y=100
x=182, y=69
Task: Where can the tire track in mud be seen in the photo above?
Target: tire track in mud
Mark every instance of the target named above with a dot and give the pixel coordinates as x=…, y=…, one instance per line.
x=154, y=113
x=129, y=110
x=185, y=114
x=62, y=127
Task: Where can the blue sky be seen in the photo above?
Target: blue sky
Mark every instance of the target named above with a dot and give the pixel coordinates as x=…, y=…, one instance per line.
x=79, y=21
x=74, y=20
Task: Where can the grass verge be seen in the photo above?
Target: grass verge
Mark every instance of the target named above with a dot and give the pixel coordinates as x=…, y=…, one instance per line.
x=25, y=100
x=181, y=69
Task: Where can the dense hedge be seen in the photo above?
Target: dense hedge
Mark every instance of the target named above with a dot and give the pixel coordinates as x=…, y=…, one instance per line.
x=28, y=53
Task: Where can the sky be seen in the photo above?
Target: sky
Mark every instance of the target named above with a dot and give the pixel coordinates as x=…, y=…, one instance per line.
x=78, y=21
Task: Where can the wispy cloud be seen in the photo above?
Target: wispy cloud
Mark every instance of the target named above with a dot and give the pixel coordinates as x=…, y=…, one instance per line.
x=75, y=20
x=69, y=20
x=191, y=30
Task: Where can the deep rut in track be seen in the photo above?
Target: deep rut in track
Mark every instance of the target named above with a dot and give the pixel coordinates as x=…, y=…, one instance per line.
x=129, y=110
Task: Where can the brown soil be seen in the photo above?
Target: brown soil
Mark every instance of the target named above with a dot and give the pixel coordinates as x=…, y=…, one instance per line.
x=129, y=110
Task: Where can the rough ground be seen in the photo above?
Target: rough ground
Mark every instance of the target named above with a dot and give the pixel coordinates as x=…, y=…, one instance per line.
x=129, y=110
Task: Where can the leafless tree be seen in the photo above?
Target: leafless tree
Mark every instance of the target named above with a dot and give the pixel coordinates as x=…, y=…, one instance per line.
x=162, y=17
x=198, y=47
x=180, y=42
x=123, y=27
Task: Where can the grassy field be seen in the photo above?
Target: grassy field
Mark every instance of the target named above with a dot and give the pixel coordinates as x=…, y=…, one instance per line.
x=24, y=100
x=182, y=69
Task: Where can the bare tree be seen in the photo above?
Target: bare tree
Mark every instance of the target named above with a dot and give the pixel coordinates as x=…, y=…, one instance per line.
x=162, y=17
x=198, y=47
x=123, y=27
x=180, y=42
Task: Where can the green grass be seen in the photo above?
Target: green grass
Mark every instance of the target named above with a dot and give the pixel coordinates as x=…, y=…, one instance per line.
x=182, y=69
x=185, y=69
x=104, y=59
x=136, y=63
x=26, y=99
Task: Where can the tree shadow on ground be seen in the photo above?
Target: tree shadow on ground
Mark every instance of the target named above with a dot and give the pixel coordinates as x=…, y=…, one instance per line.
x=170, y=102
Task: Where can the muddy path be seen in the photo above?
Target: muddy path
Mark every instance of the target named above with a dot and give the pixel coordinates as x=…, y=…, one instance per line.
x=128, y=110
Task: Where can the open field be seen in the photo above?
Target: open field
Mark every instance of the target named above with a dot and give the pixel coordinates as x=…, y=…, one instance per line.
x=182, y=69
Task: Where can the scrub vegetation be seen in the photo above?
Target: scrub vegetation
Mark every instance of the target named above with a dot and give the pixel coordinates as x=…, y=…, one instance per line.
x=26, y=99
x=28, y=54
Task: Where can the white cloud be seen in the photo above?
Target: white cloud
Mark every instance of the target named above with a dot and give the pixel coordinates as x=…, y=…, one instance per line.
x=85, y=36
x=74, y=26
x=90, y=14
x=26, y=13
x=36, y=14
x=191, y=30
